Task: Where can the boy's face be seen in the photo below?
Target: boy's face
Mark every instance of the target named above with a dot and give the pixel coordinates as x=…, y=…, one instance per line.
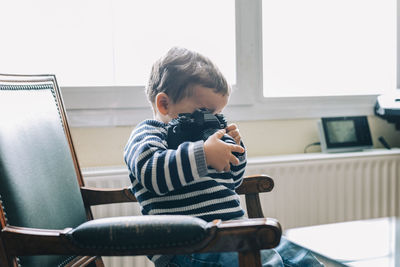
x=202, y=97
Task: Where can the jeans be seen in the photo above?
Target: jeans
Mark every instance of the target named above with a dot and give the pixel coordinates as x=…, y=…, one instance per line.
x=287, y=254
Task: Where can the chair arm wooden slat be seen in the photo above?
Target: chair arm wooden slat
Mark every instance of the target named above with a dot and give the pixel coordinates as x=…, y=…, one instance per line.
x=99, y=196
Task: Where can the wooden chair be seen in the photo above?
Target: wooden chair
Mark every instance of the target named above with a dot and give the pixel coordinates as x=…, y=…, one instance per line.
x=45, y=212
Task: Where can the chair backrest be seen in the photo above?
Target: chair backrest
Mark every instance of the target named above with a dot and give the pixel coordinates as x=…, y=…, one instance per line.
x=37, y=155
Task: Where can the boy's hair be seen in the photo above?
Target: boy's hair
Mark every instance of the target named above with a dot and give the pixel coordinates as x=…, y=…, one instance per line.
x=179, y=71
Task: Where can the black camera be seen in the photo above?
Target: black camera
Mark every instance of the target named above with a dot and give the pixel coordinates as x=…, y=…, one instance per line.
x=191, y=127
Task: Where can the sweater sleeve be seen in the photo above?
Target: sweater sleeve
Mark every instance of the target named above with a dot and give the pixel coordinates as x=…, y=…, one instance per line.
x=237, y=171
x=235, y=174
x=159, y=169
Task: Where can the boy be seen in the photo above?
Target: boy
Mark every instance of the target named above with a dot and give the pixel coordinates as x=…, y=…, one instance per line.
x=197, y=178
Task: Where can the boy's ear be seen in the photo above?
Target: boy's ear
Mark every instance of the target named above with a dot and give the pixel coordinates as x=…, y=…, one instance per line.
x=162, y=103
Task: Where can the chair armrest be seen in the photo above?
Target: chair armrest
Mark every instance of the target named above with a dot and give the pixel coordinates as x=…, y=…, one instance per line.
x=98, y=196
x=32, y=241
x=143, y=235
x=246, y=235
x=251, y=187
x=255, y=184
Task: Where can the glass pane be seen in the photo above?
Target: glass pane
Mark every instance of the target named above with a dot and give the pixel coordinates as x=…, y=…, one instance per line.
x=71, y=39
x=145, y=30
x=111, y=42
x=328, y=47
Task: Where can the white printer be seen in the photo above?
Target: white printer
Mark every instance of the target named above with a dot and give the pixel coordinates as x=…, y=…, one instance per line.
x=388, y=107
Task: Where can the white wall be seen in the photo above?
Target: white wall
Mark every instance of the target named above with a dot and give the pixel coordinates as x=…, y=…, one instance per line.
x=103, y=146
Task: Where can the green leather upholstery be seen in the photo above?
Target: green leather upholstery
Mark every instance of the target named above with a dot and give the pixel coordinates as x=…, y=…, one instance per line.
x=35, y=157
x=127, y=233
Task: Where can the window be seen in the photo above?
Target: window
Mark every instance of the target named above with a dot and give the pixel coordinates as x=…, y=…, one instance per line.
x=145, y=30
x=282, y=61
x=71, y=39
x=112, y=42
x=328, y=47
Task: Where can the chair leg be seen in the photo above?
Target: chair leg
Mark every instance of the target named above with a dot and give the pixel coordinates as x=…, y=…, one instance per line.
x=86, y=261
x=99, y=262
x=249, y=259
x=4, y=260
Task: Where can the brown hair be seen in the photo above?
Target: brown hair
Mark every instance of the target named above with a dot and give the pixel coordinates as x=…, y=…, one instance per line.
x=179, y=70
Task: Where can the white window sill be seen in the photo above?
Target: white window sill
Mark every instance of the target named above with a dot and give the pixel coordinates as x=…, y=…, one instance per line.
x=126, y=106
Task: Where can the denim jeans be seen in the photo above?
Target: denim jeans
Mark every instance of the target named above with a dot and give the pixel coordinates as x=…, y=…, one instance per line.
x=287, y=254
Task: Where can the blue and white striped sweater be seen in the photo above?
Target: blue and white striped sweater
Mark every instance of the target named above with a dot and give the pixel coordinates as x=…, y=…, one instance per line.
x=167, y=181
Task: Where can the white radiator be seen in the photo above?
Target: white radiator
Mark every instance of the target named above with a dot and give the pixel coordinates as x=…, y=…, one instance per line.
x=315, y=189
x=114, y=177
x=309, y=189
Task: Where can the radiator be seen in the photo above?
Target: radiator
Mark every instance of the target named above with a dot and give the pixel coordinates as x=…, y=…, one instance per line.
x=310, y=189
x=114, y=177
x=327, y=188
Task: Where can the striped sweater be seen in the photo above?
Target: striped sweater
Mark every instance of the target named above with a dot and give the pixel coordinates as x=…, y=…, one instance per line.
x=177, y=181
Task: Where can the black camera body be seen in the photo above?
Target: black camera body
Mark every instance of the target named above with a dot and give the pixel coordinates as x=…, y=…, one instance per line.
x=191, y=127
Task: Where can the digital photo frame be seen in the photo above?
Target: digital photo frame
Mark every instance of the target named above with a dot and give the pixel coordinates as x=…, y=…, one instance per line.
x=344, y=134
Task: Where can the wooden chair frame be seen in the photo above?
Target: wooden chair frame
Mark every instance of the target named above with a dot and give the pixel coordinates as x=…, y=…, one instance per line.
x=247, y=237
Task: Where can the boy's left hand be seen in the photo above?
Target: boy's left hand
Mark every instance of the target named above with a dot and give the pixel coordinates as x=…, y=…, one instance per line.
x=233, y=131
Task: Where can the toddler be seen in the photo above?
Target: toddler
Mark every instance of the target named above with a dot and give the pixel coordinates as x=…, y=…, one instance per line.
x=197, y=178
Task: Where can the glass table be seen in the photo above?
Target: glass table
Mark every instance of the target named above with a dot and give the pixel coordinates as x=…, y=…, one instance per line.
x=372, y=243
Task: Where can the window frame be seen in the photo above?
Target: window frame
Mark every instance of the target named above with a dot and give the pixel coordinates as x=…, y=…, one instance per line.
x=101, y=106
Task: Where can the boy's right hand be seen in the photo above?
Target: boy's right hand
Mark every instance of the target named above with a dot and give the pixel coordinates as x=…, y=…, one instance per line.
x=219, y=154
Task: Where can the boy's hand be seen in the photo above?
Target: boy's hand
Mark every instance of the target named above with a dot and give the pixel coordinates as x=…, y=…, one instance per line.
x=219, y=154
x=233, y=131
